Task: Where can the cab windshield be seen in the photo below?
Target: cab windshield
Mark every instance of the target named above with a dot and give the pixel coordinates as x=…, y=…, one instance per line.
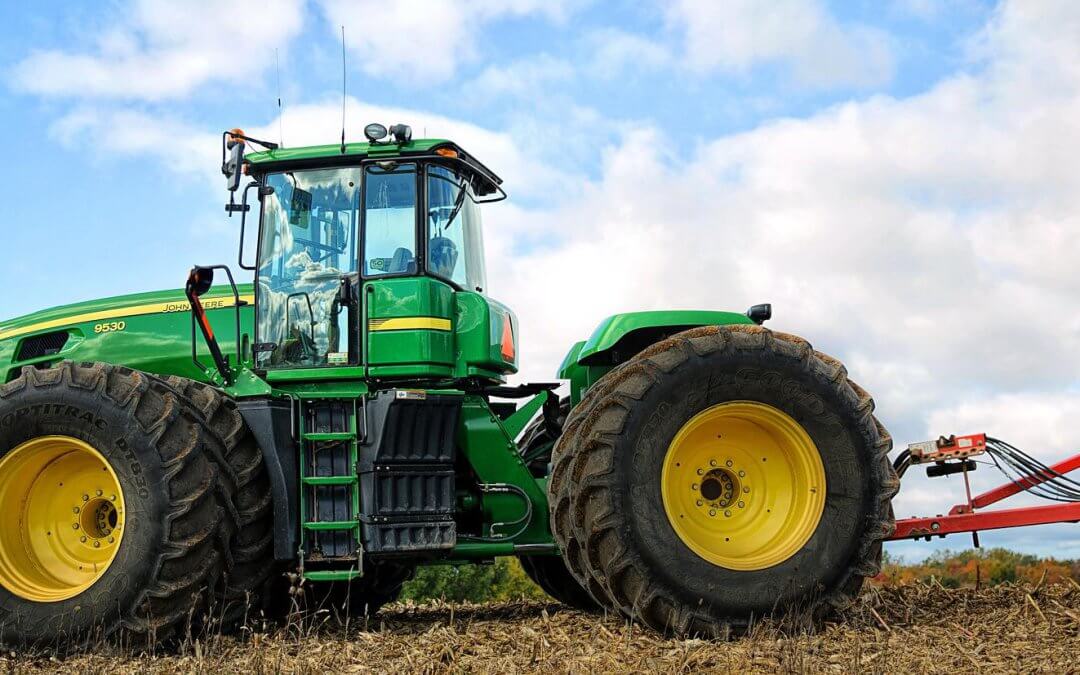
x=309, y=242
x=455, y=239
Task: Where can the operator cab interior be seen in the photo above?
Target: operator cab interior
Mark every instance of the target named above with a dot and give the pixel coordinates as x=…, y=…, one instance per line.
x=326, y=230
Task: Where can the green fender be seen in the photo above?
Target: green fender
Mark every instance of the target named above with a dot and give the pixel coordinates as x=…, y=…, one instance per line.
x=620, y=337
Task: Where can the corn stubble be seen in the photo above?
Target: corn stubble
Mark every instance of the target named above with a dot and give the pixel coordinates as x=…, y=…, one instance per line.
x=919, y=627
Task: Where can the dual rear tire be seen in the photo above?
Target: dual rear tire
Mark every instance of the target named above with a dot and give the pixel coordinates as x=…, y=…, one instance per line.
x=724, y=475
x=116, y=508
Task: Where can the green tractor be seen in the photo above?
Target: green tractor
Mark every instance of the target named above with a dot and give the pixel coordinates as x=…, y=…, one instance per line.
x=316, y=436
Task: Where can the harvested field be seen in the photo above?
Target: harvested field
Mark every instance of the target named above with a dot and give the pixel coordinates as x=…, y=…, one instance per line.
x=912, y=628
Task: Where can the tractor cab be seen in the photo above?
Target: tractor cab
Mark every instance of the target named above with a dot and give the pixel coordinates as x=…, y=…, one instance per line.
x=371, y=256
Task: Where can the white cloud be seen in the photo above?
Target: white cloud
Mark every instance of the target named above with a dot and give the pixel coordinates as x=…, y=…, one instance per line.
x=424, y=41
x=162, y=50
x=736, y=35
x=524, y=79
x=184, y=149
x=617, y=52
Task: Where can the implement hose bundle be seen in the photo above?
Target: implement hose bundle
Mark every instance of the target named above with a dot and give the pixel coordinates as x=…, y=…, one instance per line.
x=1025, y=471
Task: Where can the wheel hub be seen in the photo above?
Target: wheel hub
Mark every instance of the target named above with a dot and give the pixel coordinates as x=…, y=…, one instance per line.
x=719, y=488
x=61, y=518
x=743, y=485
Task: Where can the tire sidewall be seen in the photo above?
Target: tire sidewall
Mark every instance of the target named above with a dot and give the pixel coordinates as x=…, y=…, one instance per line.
x=86, y=416
x=829, y=417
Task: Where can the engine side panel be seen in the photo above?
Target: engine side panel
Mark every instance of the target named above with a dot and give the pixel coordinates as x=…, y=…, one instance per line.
x=146, y=331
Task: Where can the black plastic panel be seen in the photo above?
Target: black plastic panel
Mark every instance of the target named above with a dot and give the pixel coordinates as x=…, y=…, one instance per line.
x=407, y=477
x=410, y=492
x=407, y=429
x=410, y=537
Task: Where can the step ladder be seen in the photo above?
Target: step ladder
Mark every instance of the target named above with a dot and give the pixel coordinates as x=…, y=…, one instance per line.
x=330, y=490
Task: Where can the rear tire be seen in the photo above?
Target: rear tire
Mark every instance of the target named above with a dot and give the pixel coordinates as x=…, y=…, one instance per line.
x=252, y=552
x=173, y=522
x=625, y=534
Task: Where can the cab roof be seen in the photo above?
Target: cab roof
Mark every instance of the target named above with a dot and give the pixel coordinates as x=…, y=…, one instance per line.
x=327, y=155
x=333, y=151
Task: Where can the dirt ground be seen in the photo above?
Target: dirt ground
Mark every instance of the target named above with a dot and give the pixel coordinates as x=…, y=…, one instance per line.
x=914, y=628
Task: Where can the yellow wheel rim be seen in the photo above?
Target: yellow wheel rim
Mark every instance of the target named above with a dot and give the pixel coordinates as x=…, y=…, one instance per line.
x=743, y=485
x=61, y=518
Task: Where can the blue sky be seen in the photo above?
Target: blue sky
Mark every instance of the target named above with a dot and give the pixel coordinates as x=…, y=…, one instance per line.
x=132, y=207
x=896, y=177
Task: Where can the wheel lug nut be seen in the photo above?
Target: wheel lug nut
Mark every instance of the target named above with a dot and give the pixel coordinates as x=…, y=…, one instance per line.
x=82, y=539
x=97, y=544
x=727, y=514
x=700, y=471
x=742, y=504
x=111, y=540
x=746, y=489
x=729, y=462
x=699, y=502
x=99, y=493
x=742, y=474
x=712, y=462
x=75, y=510
x=112, y=498
x=86, y=498
x=74, y=526
x=694, y=486
x=712, y=512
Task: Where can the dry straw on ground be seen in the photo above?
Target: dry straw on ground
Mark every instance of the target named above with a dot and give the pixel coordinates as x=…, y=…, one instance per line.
x=914, y=628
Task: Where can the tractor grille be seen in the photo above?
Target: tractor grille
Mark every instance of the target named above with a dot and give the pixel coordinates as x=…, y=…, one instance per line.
x=42, y=345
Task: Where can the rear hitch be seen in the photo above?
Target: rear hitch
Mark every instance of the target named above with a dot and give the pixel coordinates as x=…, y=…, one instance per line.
x=952, y=455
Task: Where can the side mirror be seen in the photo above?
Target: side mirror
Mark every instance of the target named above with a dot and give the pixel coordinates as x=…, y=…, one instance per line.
x=232, y=165
x=200, y=279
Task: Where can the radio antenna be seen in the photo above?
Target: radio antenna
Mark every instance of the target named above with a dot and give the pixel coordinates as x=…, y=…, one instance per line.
x=343, y=90
x=280, y=107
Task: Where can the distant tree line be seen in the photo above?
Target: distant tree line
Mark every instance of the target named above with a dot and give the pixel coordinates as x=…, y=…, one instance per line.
x=986, y=567
x=505, y=580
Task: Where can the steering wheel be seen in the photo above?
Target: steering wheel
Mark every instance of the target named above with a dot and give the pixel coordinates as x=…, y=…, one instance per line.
x=301, y=349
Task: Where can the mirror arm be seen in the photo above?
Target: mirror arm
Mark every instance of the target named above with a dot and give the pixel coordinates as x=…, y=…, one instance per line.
x=200, y=281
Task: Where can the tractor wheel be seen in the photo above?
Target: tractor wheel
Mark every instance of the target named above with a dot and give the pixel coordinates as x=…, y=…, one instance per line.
x=253, y=547
x=551, y=574
x=723, y=475
x=116, y=511
x=536, y=442
x=380, y=585
x=548, y=572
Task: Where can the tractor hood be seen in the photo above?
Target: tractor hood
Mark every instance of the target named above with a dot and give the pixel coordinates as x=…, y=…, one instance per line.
x=136, y=330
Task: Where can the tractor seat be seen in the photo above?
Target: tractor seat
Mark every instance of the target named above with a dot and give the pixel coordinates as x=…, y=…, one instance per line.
x=403, y=261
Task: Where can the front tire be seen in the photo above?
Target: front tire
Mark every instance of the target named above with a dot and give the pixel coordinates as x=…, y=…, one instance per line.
x=107, y=460
x=705, y=412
